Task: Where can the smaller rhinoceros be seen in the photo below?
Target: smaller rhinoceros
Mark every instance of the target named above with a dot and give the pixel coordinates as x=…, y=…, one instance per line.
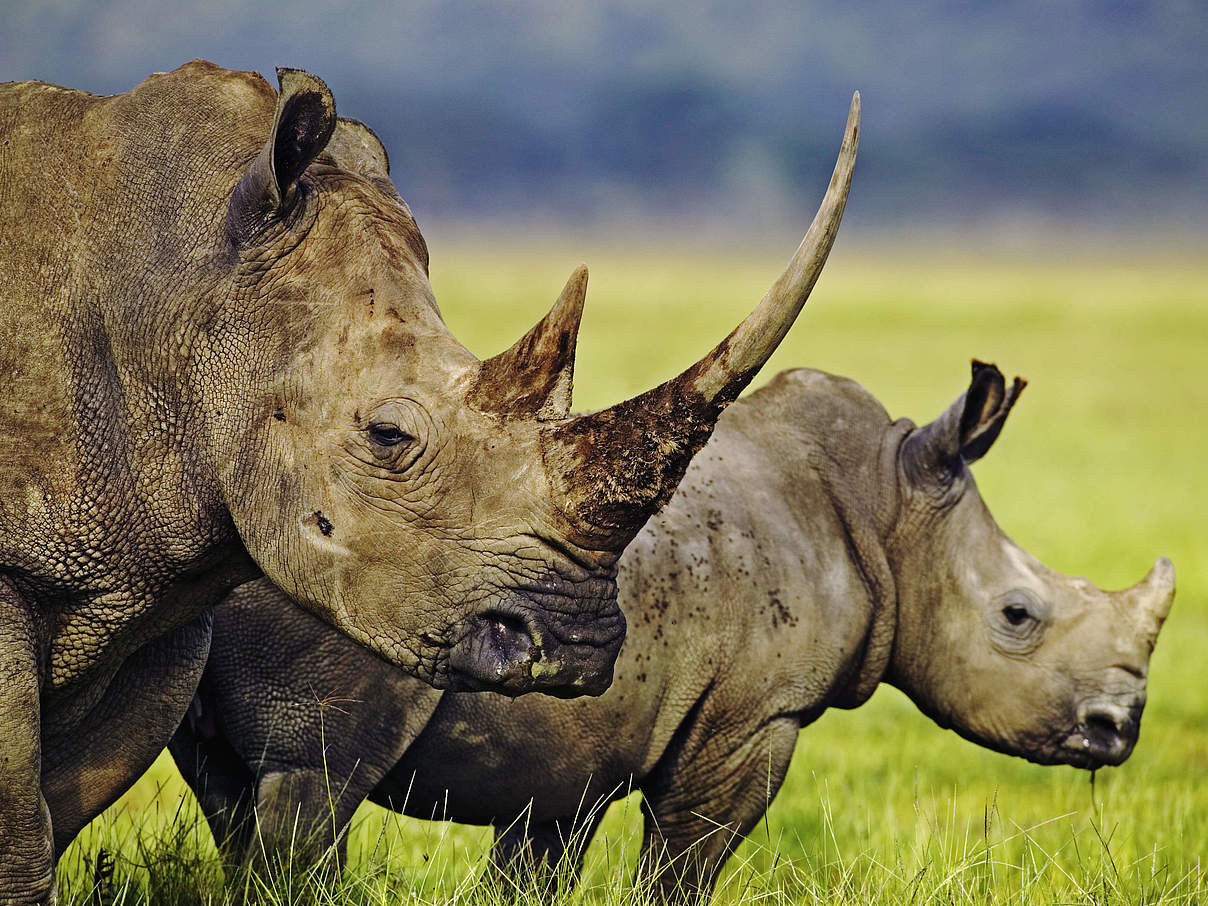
x=815, y=549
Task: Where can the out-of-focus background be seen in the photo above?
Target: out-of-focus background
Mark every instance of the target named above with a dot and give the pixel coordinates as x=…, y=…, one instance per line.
x=1032, y=189
x=1012, y=117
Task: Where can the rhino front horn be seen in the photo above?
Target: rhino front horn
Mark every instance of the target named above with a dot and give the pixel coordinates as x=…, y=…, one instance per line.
x=1153, y=596
x=534, y=377
x=621, y=464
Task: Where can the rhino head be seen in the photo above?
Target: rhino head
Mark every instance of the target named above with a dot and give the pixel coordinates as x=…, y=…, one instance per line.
x=449, y=513
x=990, y=641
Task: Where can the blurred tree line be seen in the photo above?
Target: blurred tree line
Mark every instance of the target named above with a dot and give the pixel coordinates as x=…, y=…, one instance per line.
x=608, y=110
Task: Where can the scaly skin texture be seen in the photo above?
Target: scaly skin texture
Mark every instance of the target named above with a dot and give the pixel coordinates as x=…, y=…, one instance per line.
x=225, y=359
x=814, y=549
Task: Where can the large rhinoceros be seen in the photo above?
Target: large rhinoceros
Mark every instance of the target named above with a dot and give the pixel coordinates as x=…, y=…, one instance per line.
x=225, y=360
x=815, y=549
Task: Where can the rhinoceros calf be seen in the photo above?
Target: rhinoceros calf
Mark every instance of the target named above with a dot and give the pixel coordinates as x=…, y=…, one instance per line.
x=225, y=358
x=815, y=549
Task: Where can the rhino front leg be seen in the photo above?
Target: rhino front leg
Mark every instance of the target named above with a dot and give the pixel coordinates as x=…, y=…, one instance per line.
x=27, y=861
x=302, y=817
x=88, y=764
x=287, y=814
x=305, y=805
x=704, y=797
x=224, y=785
x=545, y=854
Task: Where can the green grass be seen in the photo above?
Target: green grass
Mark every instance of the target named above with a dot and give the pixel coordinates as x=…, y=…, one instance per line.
x=1099, y=472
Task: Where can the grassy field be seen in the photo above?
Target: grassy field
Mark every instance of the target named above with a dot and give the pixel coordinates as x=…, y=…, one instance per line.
x=1098, y=473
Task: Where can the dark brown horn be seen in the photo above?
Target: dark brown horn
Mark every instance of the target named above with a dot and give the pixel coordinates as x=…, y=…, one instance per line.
x=621, y=464
x=535, y=376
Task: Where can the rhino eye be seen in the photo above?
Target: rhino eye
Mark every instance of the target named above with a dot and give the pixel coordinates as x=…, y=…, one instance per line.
x=1018, y=625
x=386, y=435
x=1016, y=614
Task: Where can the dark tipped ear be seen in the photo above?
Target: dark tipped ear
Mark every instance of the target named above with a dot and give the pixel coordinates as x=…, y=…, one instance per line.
x=302, y=127
x=967, y=428
x=357, y=149
x=987, y=405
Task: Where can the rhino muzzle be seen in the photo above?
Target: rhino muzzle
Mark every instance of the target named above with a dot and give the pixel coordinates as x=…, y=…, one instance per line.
x=1105, y=734
x=524, y=644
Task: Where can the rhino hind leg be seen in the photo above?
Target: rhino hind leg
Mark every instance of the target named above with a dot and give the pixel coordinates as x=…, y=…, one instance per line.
x=707, y=793
x=27, y=859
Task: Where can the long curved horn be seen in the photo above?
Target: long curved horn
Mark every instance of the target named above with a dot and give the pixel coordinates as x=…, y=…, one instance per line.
x=534, y=377
x=752, y=342
x=619, y=465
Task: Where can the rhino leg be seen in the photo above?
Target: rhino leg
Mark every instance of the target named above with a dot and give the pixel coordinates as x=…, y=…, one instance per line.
x=282, y=816
x=302, y=818
x=141, y=703
x=706, y=794
x=277, y=817
x=542, y=856
x=223, y=784
x=26, y=843
x=265, y=747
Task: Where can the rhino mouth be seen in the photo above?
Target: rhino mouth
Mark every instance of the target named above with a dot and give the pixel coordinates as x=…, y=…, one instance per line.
x=534, y=642
x=1097, y=742
x=1104, y=735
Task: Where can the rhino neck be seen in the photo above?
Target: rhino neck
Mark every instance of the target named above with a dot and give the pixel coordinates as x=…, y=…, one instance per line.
x=169, y=281
x=866, y=503
x=848, y=452
x=806, y=467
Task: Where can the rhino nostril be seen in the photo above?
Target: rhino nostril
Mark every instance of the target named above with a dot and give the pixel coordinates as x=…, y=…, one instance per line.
x=505, y=626
x=1102, y=723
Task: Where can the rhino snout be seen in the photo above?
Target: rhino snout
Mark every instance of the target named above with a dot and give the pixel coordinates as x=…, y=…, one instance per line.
x=496, y=653
x=1105, y=734
x=512, y=649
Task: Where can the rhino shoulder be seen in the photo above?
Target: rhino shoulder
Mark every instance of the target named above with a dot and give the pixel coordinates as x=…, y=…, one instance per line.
x=812, y=406
x=808, y=386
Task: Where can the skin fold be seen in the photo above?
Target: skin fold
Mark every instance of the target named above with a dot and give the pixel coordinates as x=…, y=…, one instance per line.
x=814, y=550
x=227, y=362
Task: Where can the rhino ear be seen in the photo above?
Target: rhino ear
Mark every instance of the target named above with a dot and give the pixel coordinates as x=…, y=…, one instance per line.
x=967, y=428
x=356, y=147
x=988, y=402
x=302, y=127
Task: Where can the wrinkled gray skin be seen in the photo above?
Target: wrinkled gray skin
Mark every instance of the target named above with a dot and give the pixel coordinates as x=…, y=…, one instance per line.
x=814, y=549
x=225, y=359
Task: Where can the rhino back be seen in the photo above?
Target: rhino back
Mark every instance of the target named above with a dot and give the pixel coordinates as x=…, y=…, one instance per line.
x=742, y=604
